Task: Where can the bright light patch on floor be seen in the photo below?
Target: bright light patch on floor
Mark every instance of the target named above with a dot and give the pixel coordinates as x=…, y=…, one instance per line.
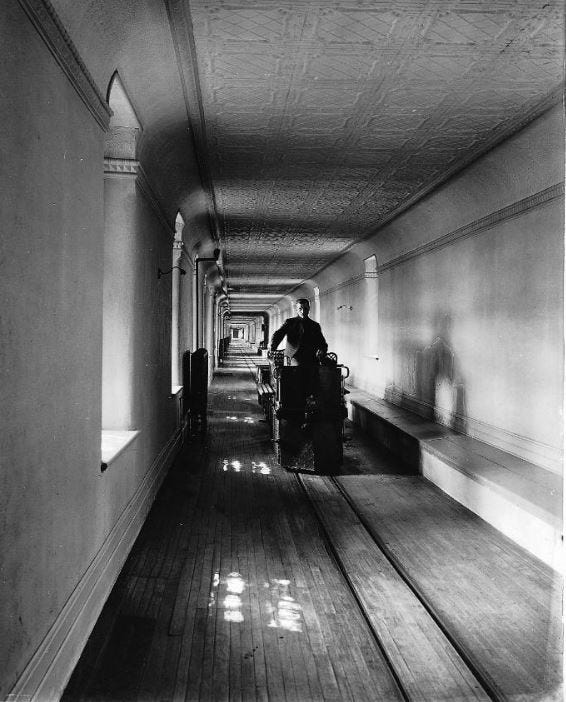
x=233, y=616
x=226, y=592
x=235, y=583
x=244, y=420
x=236, y=467
x=284, y=611
x=232, y=602
x=260, y=468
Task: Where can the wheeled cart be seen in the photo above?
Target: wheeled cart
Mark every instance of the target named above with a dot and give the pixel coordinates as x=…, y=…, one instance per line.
x=308, y=415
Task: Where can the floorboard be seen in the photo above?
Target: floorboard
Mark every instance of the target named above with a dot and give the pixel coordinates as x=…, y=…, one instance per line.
x=233, y=590
x=498, y=600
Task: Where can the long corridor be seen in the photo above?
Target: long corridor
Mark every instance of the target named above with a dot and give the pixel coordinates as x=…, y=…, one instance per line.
x=248, y=582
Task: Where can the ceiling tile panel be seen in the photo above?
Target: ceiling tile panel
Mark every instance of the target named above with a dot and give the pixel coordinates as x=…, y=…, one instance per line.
x=245, y=66
x=325, y=99
x=245, y=24
x=471, y=28
x=320, y=119
x=335, y=67
x=347, y=26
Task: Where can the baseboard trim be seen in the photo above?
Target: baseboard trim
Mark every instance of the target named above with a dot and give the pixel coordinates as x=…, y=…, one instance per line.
x=536, y=535
x=47, y=673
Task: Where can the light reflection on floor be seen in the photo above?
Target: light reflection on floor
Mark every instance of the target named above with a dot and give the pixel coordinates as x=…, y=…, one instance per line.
x=226, y=593
x=281, y=608
x=284, y=611
x=245, y=420
x=236, y=467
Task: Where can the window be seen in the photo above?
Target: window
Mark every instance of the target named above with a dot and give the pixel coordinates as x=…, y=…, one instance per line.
x=118, y=344
x=176, y=264
x=371, y=312
x=316, y=306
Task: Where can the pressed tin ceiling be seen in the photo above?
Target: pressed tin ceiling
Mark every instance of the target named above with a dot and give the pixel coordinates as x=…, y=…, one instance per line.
x=319, y=120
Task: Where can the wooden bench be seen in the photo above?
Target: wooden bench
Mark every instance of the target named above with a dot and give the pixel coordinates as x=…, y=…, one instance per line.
x=521, y=499
x=262, y=391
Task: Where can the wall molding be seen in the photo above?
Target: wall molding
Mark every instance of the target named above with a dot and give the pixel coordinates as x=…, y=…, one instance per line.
x=50, y=28
x=516, y=209
x=500, y=135
x=543, y=455
x=346, y=283
x=51, y=666
x=117, y=167
x=537, y=535
x=180, y=21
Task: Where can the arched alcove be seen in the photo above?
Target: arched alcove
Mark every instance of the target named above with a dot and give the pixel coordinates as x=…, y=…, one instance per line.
x=120, y=246
x=176, y=282
x=123, y=134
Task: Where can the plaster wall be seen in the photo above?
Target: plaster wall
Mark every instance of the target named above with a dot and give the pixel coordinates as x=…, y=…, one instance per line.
x=349, y=325
x=136, y=381
x=51, y=329
x=154, y=410
x=57, y=506
x=120, y=303
x=113, y=35
x=468, y=329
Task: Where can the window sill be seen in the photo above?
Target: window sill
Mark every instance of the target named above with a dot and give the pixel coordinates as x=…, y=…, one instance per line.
x=113, y=443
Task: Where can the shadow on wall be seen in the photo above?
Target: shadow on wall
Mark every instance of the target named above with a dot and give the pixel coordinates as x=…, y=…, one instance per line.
x=439, y=392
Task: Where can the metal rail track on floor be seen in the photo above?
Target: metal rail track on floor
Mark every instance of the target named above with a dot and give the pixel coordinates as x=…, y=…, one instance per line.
x=488, y=685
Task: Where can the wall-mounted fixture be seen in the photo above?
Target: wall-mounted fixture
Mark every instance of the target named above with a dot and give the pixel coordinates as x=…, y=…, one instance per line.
x=344, y=307
x=160, y=272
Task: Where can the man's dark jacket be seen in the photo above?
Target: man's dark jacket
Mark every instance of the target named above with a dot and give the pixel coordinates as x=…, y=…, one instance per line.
x=304, y=339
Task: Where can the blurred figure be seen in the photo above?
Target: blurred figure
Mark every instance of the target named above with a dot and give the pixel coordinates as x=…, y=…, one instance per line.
x=305, y=342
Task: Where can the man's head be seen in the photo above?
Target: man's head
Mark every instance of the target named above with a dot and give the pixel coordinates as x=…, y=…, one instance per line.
x=303, y=307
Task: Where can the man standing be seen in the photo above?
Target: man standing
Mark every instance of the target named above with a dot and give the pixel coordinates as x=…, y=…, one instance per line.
x=305, y=345
x=305, y=342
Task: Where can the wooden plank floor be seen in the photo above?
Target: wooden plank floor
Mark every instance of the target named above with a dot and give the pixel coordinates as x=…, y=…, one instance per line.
x=230, y=592
x=501, y=603
x=234, y=592
x=429, y=666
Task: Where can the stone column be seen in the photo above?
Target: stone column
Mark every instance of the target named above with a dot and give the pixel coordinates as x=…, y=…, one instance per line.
x=175, y=302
